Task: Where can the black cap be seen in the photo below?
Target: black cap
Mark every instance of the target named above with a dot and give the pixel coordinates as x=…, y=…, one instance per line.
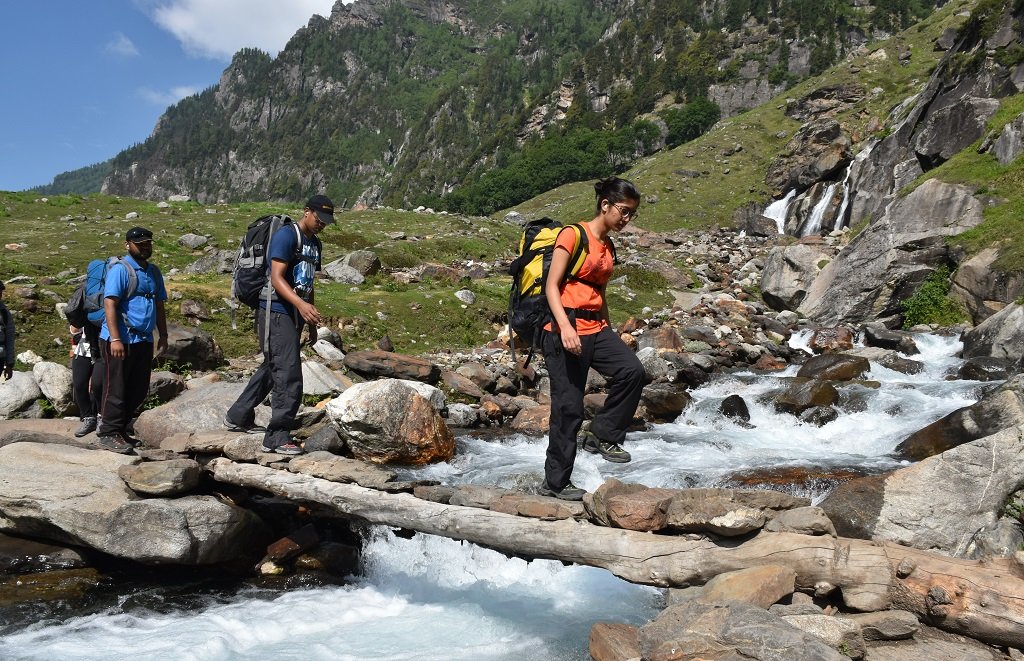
x=323, y=207
x=137, y=234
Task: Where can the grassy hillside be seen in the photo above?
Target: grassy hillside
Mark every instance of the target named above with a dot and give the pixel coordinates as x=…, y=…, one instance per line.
x=57, y=236
x=60, y=234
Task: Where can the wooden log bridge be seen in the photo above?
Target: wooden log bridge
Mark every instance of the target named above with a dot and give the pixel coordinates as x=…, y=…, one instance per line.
x=980, y=599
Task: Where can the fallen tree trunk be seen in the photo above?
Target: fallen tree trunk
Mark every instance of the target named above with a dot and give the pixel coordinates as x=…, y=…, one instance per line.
x=981, y=600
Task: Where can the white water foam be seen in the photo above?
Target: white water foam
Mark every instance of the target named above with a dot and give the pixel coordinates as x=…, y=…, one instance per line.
x=425, y=598
x=777, y=211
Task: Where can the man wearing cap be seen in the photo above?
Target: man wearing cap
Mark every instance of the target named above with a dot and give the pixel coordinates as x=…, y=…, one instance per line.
x=126, y=337
x=294, y=256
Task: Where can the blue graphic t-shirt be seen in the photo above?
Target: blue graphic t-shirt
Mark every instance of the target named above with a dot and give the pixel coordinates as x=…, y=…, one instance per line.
x=301, y=264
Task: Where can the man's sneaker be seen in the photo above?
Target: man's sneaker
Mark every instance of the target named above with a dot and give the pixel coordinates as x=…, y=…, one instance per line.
x=88, y=426
x=569, y=492
x=611, y=451
x=252, y=428
x=289, y=449
x=114, y=443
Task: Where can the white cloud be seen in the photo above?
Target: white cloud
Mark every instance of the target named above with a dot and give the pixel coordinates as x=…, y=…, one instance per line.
x=121, y=45
x=218, y=28
x=168, y=97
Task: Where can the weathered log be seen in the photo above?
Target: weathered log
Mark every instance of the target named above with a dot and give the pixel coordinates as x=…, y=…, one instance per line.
x=980, y=600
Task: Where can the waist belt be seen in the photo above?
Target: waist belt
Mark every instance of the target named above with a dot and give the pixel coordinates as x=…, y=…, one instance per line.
x=579, y=313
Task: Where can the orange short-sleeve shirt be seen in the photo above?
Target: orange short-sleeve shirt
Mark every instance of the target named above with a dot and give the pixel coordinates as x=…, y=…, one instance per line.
x=596, y=268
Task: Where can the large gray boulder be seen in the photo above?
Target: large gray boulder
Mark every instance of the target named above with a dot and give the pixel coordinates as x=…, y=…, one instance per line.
x=193, y=348
x=73, y=495
x=18, y=394
x=215, y=261
x=341, y=272
x=318, y=379
x=889, y=260
x=199, y=409
x=388, y=421
x=999, y=336
x=953, y=128
x=983, y=289
x=366, y=262
x=789, y=272
x=54, y=381
x=974, y=480
x=997, y=410
x=1010, y=143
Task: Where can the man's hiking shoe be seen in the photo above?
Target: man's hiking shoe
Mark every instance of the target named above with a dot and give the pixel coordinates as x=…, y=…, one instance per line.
x=610, y=451
x=114, y=443
x=288, y=449
x=252, y=428
x=569, y=492
x=88, y=426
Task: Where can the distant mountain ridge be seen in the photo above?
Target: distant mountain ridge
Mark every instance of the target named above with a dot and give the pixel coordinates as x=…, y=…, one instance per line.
x=406, y=101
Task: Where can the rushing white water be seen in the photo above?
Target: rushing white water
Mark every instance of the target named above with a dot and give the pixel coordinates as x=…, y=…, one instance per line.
x=777, y=210
x=429, y=598
x=424, y=598
x=813, y=225
x=703, y=448
x=840, y=220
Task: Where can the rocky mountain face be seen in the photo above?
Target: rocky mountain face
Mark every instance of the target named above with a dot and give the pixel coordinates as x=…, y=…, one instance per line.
x=394, y=101
x=904, y=228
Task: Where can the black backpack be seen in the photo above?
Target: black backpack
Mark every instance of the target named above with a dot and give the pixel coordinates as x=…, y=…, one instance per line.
x=528, y=309
x=249, y=276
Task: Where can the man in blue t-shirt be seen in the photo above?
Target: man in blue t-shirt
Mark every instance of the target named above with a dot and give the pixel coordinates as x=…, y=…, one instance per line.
x=126, y=338
x=294, y=257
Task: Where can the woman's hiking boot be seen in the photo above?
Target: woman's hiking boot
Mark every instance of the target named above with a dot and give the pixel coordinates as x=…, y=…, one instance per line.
x=610, y=451
x=88, y=426
x=569, y=492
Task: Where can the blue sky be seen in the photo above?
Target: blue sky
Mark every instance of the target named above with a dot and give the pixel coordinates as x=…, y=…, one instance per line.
x=83, y=80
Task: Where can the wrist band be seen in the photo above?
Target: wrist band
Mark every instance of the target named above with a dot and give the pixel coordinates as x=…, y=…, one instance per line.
x=116, y=339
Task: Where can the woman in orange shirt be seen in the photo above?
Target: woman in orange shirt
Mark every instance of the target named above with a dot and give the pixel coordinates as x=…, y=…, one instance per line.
x=579, y=337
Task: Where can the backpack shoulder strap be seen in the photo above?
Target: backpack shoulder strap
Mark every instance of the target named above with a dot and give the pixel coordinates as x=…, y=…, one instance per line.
x=298, y=242
x=133, y=278
x=579, y=252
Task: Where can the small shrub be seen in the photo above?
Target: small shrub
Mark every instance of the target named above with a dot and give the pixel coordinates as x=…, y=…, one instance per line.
x=931, y=304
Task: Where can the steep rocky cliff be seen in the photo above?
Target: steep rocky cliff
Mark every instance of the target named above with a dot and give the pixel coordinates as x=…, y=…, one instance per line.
x=403, y=100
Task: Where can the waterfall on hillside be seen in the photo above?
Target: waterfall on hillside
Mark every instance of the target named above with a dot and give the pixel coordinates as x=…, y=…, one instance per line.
x=777, y=210
x=840, y=220
x=813, y=224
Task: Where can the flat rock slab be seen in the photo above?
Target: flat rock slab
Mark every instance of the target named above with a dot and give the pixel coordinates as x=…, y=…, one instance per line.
x=728, y=631
x=75, y=496
x=933, y=645
x=331, y=467
x=39, y=430
x=161, y=478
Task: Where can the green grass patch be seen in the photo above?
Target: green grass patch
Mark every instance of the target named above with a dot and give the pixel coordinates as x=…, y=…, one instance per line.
x=931, y=303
